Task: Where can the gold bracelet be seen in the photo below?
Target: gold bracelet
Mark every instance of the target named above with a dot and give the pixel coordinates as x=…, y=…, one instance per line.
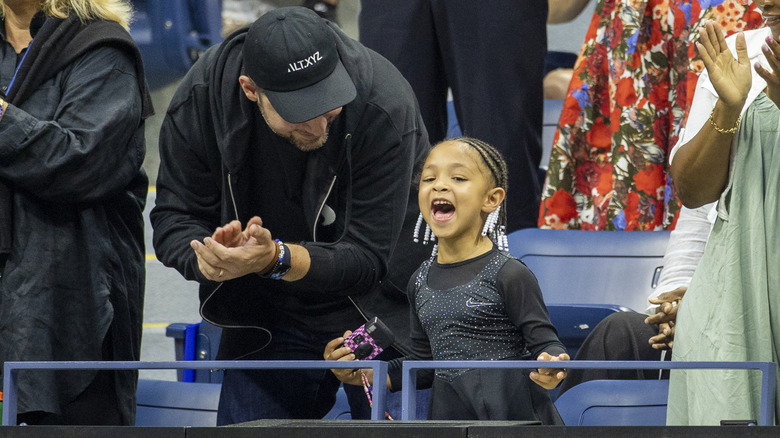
x=725, y=131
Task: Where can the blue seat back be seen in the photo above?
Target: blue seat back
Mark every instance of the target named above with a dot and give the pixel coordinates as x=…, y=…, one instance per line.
x=199, y=341
x=341, y=409
x=587, y=267
x=171, y=34
x=574, y=322
x=174, y=404
x=615, y=403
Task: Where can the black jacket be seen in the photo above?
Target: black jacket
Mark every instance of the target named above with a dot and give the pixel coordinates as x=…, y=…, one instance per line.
x=71, y=150
x=204, y=182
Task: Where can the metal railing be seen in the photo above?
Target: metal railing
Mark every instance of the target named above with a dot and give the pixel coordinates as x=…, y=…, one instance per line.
x=768, y=375
x=408, y=402
x=11, y=370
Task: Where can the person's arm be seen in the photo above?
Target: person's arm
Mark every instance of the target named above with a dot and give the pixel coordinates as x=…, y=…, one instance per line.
x=683, y=252
x=563, y=11
x=189, y=181
x=700, y=167
x=76, y=147
x=525, y=307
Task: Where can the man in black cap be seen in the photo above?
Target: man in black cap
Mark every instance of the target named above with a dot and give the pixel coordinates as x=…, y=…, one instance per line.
x=286, y=160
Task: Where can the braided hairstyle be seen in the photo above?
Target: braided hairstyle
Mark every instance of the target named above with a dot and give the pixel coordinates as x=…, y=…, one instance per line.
x=495, y=162
x=495, y=226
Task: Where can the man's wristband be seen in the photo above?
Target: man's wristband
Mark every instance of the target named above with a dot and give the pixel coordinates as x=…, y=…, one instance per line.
x=270, y=266
x=281, y=264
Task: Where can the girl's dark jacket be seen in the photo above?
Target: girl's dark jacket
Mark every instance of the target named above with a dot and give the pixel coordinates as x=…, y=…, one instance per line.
x=204, y=182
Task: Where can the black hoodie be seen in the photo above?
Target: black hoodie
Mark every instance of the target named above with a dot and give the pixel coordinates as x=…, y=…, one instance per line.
x=204, y=182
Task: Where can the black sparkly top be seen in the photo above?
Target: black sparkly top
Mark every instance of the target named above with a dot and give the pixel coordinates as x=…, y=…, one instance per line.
x=486, y=308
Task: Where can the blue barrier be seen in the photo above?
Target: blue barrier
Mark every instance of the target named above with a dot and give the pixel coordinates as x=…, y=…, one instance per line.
x=768, y=375
x=11, y=370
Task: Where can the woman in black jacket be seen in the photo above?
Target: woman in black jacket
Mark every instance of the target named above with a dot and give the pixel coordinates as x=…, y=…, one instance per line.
x=72, y=192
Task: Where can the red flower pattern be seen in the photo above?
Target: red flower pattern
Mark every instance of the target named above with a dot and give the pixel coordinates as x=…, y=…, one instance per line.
x=610, y=154
x=561, y=206
x=626, y=93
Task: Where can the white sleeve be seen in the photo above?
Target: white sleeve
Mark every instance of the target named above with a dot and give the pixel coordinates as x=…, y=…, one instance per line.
x=704, y=99
x=685, y=248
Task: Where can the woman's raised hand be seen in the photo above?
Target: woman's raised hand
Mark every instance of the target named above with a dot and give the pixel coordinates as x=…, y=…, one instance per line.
x=730, y=77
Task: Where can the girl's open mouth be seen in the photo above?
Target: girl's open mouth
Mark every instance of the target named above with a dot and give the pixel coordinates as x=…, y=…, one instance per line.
x=442, y=210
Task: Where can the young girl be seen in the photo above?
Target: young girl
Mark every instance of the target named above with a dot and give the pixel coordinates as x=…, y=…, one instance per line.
x=473, y=301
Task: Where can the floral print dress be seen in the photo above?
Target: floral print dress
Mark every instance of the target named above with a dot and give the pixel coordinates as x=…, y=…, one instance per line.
x=629, y=96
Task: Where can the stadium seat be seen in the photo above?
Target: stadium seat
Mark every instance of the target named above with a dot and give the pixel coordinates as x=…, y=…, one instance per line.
x=199, y=341
x=172, y=404
x=575, y=321
x=586, y=267
x=615, y=403
x=340, y=410
x=171, y=34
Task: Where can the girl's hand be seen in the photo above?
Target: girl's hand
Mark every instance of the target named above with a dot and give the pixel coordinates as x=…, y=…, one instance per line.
x=549, y=378
x=772, y=53
x=730, y=77
x=335, y=350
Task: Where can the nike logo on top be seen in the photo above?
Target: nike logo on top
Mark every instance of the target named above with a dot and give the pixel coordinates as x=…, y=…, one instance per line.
x=304, y=63
x=472, y=303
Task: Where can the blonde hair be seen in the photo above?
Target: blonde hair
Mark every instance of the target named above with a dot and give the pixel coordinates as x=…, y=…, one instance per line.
x=120, y=11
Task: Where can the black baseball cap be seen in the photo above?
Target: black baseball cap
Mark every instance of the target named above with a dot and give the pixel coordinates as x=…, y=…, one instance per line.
x=291, y=54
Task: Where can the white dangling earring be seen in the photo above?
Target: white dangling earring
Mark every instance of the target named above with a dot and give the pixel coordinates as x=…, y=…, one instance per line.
x=435, y=249
x=428, y=235
x=502, y=239
x=417, y=228
x=491, y=221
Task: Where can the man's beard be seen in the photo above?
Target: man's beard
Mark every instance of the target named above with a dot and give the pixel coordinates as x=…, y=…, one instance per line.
x=305, y=146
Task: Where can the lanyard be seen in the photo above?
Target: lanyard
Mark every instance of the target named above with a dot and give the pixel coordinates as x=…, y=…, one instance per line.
x=26, y=51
